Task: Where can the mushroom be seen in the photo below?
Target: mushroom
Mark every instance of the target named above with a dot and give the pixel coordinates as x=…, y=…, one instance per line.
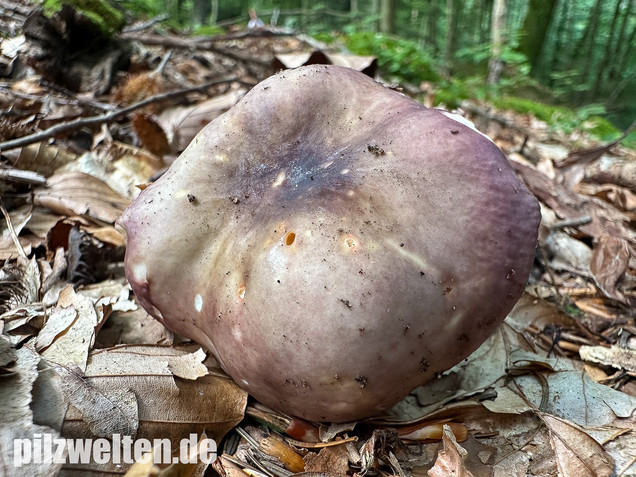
x=334, y=243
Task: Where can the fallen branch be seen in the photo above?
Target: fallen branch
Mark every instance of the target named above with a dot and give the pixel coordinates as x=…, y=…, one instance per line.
x=201, y=44
x=108, y=117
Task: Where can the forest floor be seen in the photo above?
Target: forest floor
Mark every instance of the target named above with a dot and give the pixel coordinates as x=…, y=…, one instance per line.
x=553, y=391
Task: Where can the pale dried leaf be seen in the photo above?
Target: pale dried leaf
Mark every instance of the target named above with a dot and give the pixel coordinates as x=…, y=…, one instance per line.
x=59, y=320
x=188, y=366
x=621, y=358
x=105, y=412
x=15, y=392
x=43, y=158
x=72, y=347
x=450, y=460
x=76, y=193
x=569, y=253
x=577, y=454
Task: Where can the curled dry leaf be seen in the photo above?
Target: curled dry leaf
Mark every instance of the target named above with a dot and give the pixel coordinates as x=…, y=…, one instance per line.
x=450, y=460
x=577, y=453
x=183, y=123
x=609, y=263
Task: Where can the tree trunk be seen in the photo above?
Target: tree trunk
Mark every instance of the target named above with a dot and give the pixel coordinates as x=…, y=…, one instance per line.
x=603, y=66
x=484, y=20
x=386, y=16
x=448, y=49
x=534, y=30
x=201, y=10
x=561, y=39
x=620, y=41
x=498, y=25
x=214, y=14
x=586, y=49
x=374, y=6
x=431, y=33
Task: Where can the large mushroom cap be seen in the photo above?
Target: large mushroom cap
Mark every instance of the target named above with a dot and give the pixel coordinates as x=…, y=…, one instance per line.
x=333, y=242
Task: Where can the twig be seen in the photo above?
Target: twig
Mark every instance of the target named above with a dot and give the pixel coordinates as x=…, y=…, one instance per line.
x=113, y=115
x=203, y=44
x=146, y=25
x=574, y=222
x=14, y=236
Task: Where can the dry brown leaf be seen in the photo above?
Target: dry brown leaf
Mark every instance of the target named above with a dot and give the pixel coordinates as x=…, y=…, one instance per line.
x=137, y=382
x=76, y=193
x=43, y=158
x=610, y=261
x=334, y=459
x=450, y=460
x=577, y=454
x=606, y=219
x=620, y=197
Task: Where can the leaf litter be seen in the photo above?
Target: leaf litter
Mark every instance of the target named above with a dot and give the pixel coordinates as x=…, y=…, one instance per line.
x=552, y=392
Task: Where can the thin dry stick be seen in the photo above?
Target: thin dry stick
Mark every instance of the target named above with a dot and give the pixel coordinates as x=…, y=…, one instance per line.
x=14, y=236
x=113, y=115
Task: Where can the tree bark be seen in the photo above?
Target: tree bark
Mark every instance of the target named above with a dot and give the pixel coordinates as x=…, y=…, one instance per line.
x=498, y=25
x=534, y=30
x=448, y=49
x=386, y=16
x=603, y=66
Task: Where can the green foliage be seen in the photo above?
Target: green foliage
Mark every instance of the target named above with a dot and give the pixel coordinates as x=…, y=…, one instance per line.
x=100, y=12
x=147, y=8
x=398, y=58
x=208, y=30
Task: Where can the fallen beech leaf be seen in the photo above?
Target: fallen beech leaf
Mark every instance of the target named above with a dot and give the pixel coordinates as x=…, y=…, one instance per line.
x=81, y=194
x=450, y=460
x=577, y=453
x=610, y=261
x=43, y=158
x=104, y=411
x=620, y=358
